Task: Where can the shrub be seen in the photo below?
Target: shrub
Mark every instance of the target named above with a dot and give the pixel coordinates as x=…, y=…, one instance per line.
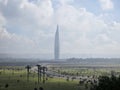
x=107, y=83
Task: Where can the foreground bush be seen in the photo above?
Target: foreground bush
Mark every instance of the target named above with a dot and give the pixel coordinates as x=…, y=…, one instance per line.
x=107, y=83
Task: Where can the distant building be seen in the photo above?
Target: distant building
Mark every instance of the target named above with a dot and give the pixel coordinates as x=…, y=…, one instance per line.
x=57, y=47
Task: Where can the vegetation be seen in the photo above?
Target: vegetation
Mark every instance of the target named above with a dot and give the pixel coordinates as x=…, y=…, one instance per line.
x=86, y=71
x=18, y=81
x=16, y=78
x=107, y=83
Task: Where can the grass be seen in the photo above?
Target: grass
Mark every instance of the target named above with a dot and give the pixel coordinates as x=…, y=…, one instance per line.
x=10, y=77
x=88, y=72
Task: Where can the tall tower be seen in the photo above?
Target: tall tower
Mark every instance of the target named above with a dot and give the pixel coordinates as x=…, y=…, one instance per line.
x=56, y=47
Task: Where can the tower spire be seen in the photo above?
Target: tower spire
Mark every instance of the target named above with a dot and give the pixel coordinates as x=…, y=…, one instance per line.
x=56, y=47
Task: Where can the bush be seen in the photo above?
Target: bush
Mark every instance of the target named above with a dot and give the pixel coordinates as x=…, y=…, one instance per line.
x=6, y=85
x=107, y=83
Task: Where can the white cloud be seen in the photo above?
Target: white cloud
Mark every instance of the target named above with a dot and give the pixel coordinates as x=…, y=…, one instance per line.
x=12, y=43
x=106, y=4
x=2, y=21
x=30, y=27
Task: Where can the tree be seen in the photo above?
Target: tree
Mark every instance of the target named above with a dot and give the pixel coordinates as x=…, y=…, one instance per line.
x=44, y=70
x=39, y=72
x=67, y=79
x=28, y=71
x=107, y=83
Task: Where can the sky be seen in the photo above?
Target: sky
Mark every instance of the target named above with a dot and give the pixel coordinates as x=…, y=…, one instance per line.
x=86, y=27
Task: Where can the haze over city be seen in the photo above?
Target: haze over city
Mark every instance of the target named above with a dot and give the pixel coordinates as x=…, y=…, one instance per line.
x=87, y=28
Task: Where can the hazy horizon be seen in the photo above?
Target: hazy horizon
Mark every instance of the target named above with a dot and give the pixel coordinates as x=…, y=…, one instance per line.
x=51, y=56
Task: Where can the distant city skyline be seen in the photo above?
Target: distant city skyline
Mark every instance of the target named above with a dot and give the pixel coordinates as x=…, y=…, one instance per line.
x=88, y=28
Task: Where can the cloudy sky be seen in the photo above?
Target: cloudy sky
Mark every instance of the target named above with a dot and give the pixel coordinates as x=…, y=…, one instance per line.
x=86, y=27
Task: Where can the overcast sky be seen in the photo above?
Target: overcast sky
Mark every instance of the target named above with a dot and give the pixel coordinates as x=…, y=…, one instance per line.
x=85, y=27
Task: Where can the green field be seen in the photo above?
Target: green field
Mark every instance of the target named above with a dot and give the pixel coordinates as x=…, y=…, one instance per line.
x=87, y=71
x=17, y=80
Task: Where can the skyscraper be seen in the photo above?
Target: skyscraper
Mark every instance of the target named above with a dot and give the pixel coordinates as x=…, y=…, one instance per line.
x=56, y=47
